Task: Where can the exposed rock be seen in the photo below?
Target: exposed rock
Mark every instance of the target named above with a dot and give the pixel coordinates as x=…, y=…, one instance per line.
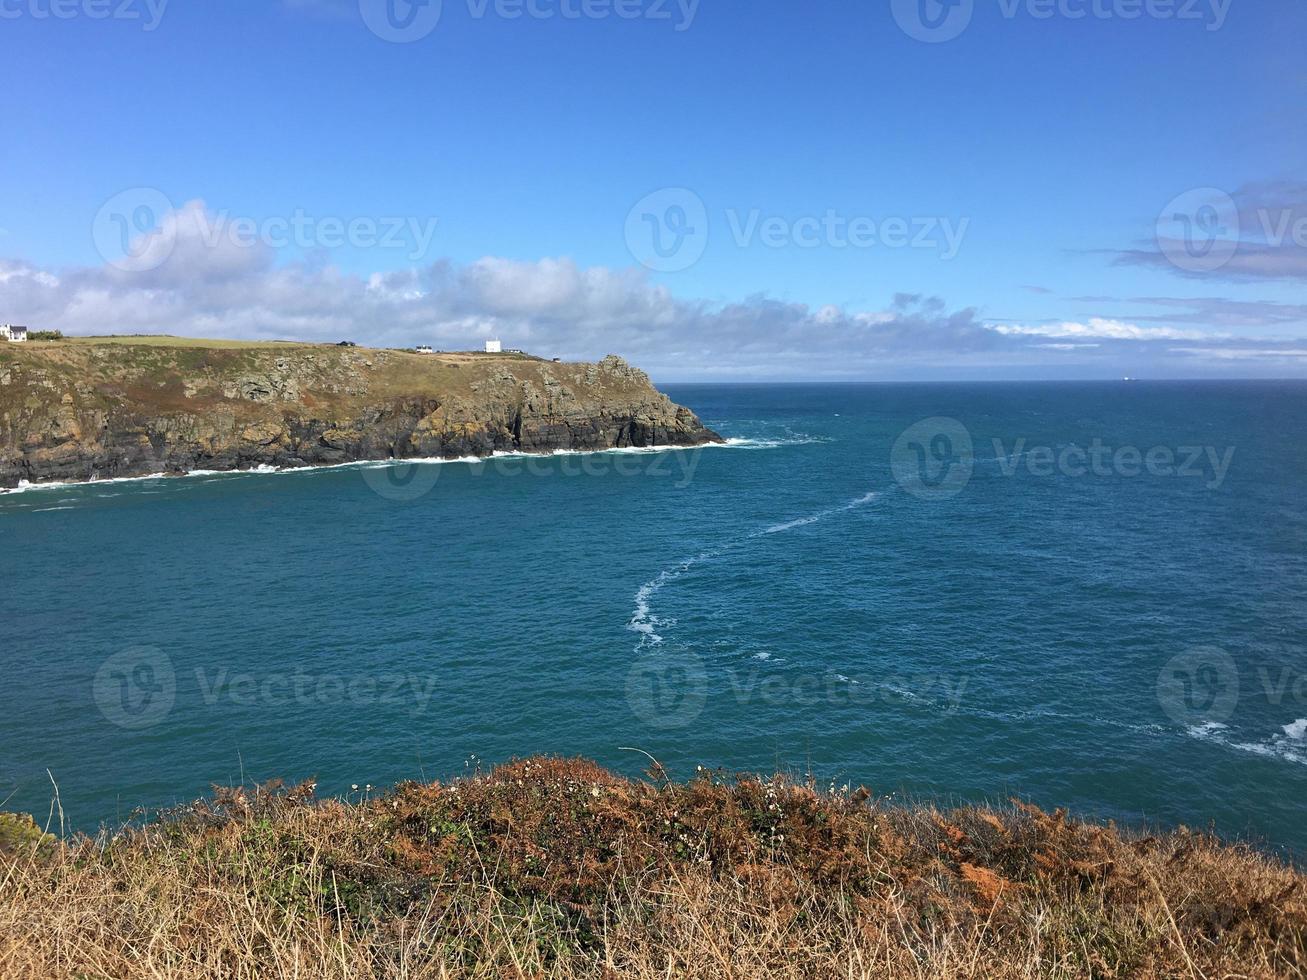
x=81, y=410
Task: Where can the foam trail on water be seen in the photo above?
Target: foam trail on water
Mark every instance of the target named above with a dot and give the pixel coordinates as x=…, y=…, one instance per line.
x=1290, y=745
x=821, y=515
x=741, y=442
x=643, y=620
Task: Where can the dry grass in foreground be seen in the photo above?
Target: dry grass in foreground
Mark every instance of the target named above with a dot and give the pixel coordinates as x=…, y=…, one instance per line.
x=558, y=868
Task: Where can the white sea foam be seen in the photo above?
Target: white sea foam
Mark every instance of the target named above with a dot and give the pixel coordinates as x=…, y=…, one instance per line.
x=904, y=693
x=1209, y=730
x=821, y=515
x=1288, y=744
x=264, y=469
x=741, y=442
x=643, y=620
x=1277, y=747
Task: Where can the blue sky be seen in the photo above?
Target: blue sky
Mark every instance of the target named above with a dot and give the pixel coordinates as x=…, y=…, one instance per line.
x=1029, y=157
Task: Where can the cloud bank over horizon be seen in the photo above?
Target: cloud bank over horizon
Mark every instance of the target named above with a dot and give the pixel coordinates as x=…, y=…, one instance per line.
x=183, y=278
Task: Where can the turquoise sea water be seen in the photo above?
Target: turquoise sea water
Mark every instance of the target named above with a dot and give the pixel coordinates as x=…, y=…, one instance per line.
x=1124, y=637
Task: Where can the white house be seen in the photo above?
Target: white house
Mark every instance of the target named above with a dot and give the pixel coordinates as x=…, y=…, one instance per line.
x=424, y=349
x=13, y=333
x=494, y=347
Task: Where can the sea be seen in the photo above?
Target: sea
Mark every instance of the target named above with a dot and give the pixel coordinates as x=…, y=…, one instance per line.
x=1084, y=595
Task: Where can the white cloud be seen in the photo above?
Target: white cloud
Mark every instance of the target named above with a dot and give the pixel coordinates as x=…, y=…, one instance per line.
x=211, y=285
x=1245, y=353
x=1098, y=327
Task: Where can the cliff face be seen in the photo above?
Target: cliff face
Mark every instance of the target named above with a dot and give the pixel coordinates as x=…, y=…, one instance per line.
x=87, y=409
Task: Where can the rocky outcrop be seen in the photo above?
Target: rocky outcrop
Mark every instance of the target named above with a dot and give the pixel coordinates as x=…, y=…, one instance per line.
x=83, y=410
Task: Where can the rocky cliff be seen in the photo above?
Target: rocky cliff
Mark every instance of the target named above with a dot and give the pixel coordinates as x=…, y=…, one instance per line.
x=98, y=408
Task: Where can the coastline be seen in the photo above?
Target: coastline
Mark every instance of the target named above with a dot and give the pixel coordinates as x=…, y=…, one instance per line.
x=74, y=413
x=367, y=464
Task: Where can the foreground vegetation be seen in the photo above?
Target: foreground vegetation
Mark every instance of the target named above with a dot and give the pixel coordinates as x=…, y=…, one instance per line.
x=558, y=868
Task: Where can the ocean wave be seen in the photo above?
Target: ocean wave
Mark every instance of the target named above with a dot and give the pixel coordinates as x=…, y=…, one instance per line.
x=646, y=623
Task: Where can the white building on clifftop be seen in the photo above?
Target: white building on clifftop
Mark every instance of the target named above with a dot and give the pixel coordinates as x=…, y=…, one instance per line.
x=494, y=347
x=13, y=333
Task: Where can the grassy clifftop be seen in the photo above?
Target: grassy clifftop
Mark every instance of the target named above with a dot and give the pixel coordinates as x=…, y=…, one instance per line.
x=558, y=868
